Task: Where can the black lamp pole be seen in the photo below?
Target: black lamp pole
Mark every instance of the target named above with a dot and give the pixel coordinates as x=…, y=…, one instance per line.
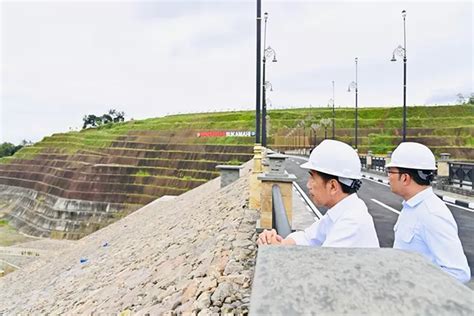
x=402, y=52
x=259, y=48
x=264, y=90
x=355, y=85
x=356, y=115
x=404, y=14
x=267, y=53
x=333, y=113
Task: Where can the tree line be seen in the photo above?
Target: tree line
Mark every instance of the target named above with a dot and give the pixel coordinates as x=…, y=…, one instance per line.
x=113, y=116
x=8, y=149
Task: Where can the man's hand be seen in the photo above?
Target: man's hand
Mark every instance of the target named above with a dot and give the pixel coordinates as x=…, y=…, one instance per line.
x=269, y=237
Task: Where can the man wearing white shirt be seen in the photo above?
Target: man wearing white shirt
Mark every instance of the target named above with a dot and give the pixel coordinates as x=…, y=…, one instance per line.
x=334, y=178
x=425, y=224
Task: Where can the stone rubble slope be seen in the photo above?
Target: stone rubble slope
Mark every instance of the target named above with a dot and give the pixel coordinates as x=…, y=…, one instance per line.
x=192, y=254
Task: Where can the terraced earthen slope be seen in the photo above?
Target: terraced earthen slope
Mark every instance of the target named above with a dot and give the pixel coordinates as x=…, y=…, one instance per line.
x=447, y=129
x=69, y=185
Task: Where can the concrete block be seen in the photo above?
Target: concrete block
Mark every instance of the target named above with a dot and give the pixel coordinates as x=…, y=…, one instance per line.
x=298, y=280
x=229, y=174
x=255, y=191
x=443, y=169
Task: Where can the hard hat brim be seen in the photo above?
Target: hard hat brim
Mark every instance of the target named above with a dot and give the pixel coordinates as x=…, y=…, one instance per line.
x=400, y=165
x=309, y=166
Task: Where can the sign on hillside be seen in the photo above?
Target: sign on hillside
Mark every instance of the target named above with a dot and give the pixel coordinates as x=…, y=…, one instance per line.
x=226, y=134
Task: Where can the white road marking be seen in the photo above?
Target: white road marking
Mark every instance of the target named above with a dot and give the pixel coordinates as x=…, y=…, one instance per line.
x=386, y=206
x=459, y=206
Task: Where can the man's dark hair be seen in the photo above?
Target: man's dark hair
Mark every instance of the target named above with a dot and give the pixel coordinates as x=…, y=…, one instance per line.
x=345, y=188
x=421, y=177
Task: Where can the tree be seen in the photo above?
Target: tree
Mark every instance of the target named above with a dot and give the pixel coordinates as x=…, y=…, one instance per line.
x=8, y=149
x=90, y=119
x=113, y=116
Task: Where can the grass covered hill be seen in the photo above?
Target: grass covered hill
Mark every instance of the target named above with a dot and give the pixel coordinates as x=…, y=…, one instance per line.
x=70, y=184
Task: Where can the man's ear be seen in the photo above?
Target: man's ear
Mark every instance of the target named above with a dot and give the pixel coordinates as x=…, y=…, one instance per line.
x=335, y=186
x=406, y=179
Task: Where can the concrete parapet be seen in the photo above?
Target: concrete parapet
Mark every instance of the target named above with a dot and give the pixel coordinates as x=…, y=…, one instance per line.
x=369, y=159
x=443, y=168
x=285, y=182
x=254, y=198
x=265, y=160
x=298, y=280
x=388, y=159
x=229, y=174
x=277, y=164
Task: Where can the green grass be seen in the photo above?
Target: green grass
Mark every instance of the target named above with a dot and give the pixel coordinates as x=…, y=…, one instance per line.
x=234, y=162
x=380, y=124
x=142, y=173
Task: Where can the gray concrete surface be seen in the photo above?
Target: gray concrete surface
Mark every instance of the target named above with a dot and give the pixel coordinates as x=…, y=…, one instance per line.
x=303, y=217
x=298, y=280
x=229, y=174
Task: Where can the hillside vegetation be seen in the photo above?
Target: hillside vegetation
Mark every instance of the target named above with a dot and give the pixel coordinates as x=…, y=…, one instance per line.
x=70, y=184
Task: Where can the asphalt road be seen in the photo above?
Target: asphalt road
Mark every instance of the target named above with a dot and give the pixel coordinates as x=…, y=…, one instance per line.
x=385, y=219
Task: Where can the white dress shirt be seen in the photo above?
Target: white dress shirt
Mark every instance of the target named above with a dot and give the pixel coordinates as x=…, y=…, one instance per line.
x=426, y=226
x=346, y=224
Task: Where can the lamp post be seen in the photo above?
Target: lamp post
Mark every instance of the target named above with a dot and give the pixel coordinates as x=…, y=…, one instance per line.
x=268, y=53
x=259, y=51
x=402, y=52
x=333, y=113
x=354, y=85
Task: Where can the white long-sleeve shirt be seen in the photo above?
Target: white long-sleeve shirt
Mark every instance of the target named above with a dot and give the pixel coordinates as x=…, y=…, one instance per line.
x=426, y=226
x=346, y=224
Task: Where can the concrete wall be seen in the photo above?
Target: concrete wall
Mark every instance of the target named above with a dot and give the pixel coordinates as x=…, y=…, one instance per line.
x=298, y=280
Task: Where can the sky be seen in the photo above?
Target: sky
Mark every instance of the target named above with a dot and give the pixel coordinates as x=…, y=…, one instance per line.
x=61, y=60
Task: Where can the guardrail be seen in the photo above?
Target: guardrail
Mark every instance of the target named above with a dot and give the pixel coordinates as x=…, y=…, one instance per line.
x=378, y=163
x=461, y=173
x=279, y=219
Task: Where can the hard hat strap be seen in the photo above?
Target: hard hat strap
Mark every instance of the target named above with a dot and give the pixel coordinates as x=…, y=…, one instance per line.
x=426, y=175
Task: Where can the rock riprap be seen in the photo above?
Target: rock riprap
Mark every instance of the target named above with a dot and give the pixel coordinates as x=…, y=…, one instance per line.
x=191, y=254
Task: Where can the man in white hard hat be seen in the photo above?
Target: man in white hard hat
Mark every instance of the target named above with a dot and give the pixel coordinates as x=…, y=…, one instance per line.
x=334, y=178
x=425, y=224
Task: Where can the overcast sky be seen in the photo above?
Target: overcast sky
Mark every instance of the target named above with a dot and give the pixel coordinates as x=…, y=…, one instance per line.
x=61, y=60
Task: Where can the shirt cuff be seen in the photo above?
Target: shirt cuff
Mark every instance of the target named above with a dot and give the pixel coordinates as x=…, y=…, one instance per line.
x=299, y=238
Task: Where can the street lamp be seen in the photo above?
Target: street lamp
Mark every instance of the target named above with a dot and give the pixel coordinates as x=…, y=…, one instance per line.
x=258, y=74
x=332, y=102
x=268, y=53
x=355, y=86
x=402, y=52
x=333, y=113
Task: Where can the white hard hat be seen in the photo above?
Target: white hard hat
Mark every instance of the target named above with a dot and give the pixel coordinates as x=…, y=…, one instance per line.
x=412, y=156
x=335, y=158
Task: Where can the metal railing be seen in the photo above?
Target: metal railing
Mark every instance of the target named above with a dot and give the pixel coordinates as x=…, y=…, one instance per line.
x=378, y=163
x=363, y=161
x=279, y=219
x=461, y=173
